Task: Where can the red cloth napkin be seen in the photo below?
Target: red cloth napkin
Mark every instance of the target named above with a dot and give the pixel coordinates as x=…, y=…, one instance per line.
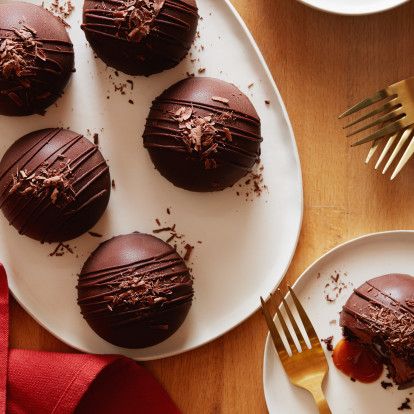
x=43, y=382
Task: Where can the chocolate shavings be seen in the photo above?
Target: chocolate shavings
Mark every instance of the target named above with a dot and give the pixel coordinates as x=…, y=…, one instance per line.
x=203, y=134
x=135, y=18
x=17, y=56
x=46, y=182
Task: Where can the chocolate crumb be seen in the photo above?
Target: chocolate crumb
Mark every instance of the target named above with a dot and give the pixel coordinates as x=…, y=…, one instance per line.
x=189, y=249
x=174, y=238
x=62, y=8
x=328, y=343
x=201, y=70
x=335, y=286
x=96, y=139
x=405, y=405
x=385, y=384
x=267, y=102
x=335, y=278
x=162, y=230
x=254, y=183
x=61, y=249
x=113, y=184
x=93, y=234
x=171, y=238
x=131, y=101
x=353, y=379
x=220, y=99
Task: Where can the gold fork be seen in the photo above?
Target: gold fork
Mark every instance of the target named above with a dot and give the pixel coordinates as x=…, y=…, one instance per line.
x=306, y=368
x=395, y=121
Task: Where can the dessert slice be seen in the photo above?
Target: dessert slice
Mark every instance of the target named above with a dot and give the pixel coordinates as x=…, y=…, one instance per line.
x=380, y=315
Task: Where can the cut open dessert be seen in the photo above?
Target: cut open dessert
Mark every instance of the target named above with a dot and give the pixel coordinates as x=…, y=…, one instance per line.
x=380, y=315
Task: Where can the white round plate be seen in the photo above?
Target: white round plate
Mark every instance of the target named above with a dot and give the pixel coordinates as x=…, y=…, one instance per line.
x=353, y=7
x=356, y=261
x=246, y=246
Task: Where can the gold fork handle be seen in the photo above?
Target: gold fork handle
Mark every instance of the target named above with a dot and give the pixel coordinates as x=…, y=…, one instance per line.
x=321, y=402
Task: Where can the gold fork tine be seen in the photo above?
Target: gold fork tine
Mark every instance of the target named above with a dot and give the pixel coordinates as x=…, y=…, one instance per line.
x=403, y=139
x=308, y=368
x=372, y=150
x=286, y=331
x=378, y=96
x=390, y=116
x=392, y=119
x=277, y=340
x=407, y=155
x=310, y=330
x=387, y=107
x=293, y=322
x=387, y=147
x=387, y=130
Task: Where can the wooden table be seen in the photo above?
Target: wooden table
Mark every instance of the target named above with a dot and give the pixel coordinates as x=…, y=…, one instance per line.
x=321, y=63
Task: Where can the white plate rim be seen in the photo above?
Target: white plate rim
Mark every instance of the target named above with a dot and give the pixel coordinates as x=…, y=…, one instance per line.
x=350, y=12
x=14, y=290
x=315, y=263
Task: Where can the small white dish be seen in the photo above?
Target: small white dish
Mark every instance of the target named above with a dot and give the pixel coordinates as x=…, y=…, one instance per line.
x=246, y=246
x=353, y=7
x=356, y=261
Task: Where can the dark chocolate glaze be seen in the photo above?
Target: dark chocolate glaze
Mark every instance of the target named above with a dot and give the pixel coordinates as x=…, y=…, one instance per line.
x=381, y=313
x=135, y=290
x=185, y=167
x=169, y=34
x=77, y=207
x=46, y=62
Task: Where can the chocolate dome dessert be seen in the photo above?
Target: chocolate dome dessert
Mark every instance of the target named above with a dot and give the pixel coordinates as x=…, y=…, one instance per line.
x=203, y=134
x=54, y=185
x=140, y=37
x=36, y=58
x=380, y=314
x=135, y=290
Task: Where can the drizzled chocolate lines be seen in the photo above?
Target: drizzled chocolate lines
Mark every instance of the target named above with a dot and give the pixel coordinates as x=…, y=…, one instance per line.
x=32, y=56
x=389, y=318
x=239, y=136
x=37, y=206
x=135, y=282
x=101, y=20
